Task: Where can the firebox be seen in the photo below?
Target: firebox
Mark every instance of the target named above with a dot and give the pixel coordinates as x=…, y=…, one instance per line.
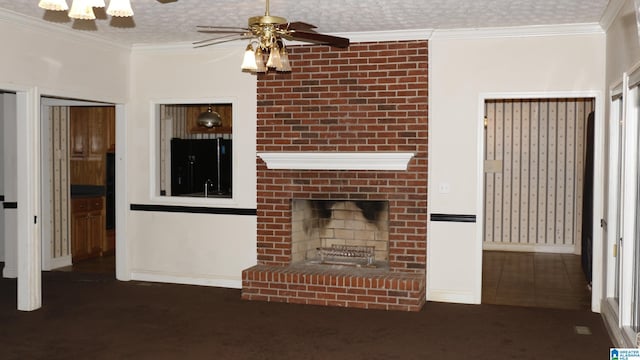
x=340, y=232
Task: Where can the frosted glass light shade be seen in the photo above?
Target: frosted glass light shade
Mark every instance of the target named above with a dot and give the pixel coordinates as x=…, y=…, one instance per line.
x=120, y=8
x=97, y=3
x=260, y=67
x=284, y=59
x=249, y=61
x=54, y=5
x=81, y=9
x=274, y=58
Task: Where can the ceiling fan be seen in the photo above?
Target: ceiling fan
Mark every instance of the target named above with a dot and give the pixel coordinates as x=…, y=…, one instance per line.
x=267, y=33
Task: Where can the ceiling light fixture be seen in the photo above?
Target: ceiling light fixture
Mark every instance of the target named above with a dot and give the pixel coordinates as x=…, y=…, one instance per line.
x=54, y=5
x=209, y=118
x=275, y=53
x=266, y=49
x=83, y=9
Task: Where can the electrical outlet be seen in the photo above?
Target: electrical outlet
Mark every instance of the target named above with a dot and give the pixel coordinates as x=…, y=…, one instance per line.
x=444, y=188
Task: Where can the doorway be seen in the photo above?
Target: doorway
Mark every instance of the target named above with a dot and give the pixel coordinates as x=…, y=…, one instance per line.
x=535, y=185
x=78, y=186
x=8, y=182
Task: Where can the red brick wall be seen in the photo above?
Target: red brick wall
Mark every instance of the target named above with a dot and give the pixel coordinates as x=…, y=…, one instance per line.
x=368, y=97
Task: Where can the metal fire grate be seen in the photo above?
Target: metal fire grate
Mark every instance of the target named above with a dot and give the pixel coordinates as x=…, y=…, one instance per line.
x=347, y=255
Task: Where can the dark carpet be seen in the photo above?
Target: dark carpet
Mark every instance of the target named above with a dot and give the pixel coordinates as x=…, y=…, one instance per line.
x=91, y=316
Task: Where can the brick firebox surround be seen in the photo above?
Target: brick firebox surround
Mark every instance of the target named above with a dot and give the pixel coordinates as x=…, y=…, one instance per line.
x=370, y=97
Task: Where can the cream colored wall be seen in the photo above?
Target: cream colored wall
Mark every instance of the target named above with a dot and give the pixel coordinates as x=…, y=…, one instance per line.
x=62, y=63
x=182, y=247
x=461, y=71
x=623, y=50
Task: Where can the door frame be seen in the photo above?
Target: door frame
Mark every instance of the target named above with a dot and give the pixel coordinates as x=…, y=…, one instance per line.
x=27, y=196
x=598, y=182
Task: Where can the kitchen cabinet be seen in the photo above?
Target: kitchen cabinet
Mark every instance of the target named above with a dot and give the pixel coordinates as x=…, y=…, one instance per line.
x=110, y=128
x=91, y=136
x=87, y=227
x=226, y=114
x=87, y=126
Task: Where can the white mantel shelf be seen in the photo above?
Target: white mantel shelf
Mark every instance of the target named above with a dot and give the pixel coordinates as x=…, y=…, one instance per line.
x=336, y=160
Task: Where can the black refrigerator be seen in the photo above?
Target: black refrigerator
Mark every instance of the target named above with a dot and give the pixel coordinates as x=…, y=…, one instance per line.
x=200, y=163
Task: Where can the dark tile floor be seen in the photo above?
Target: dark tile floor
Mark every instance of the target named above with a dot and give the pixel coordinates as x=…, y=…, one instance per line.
x=534, y=280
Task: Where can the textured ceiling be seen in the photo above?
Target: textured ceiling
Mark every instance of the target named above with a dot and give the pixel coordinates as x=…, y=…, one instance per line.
x=167, y=21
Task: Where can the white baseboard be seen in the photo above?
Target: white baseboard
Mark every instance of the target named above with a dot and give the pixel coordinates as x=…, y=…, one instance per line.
x=186, y=280
x=57, y=263
x=460, y=297
x=9, y=273
x=562, y=249
x=619, y=337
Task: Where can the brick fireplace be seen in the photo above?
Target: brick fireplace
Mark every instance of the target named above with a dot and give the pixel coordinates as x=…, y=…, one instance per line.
x=369, y=100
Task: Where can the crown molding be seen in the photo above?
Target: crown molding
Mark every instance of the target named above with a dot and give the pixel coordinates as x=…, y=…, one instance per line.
x=391, y=35
x=610, y=13
x=519, y=31
x=41, y=25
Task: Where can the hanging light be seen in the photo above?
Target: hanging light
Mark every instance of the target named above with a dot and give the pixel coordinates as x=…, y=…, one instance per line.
x=249, y=61
x=96, y=3
x=54, y=5
x=81, y=9
x=120, y=8
x=209, y=118
x=284, y=59
x=260, y=66
x=274, y=57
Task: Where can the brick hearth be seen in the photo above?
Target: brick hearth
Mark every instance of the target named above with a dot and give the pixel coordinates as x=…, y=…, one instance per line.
x=370, y=97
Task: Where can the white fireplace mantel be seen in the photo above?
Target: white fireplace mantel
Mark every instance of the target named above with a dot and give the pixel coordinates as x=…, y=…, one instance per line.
x=336, y=160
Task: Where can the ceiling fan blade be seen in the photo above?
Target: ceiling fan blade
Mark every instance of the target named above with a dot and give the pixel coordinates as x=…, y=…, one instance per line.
x=317, y=38
x=206, y=27
x=220, y=40
x=223, y=31
x=297, y=26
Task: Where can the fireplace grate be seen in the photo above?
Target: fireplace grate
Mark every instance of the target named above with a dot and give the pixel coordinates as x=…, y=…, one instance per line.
x=347, y=255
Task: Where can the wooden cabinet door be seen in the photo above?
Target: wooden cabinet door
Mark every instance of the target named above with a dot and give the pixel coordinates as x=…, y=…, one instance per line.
x=95, y=232
x=96, y=225
x=110, y=128
x=79, y=226
x=225, y=112
x=96, y=133
x=78, y=129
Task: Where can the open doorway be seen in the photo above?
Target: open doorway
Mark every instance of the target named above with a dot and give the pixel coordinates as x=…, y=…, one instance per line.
x=78, y=186
x=8, y=185
x=536, y=192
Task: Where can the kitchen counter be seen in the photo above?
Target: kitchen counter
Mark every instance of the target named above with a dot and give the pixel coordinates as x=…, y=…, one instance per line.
x=84, y=191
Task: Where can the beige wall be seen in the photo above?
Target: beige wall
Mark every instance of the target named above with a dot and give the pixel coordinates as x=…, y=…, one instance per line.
x=462, y=70
x=181, y=247
x=63, y=64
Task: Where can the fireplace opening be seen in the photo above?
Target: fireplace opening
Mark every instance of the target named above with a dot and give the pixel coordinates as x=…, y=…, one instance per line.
x=340, y=232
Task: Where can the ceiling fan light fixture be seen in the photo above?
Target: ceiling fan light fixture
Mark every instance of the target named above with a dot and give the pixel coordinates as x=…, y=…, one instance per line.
x=54, y=5
x=97, y=3
x=249, y=60
x=82, y=10
x=209, y=118
x=274, y=57
x=120, y=8
x=260, y=66
x=284, y=59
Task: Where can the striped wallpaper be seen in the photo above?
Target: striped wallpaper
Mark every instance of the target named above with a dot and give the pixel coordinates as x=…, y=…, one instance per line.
x=534, y=170
x=59, y=166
